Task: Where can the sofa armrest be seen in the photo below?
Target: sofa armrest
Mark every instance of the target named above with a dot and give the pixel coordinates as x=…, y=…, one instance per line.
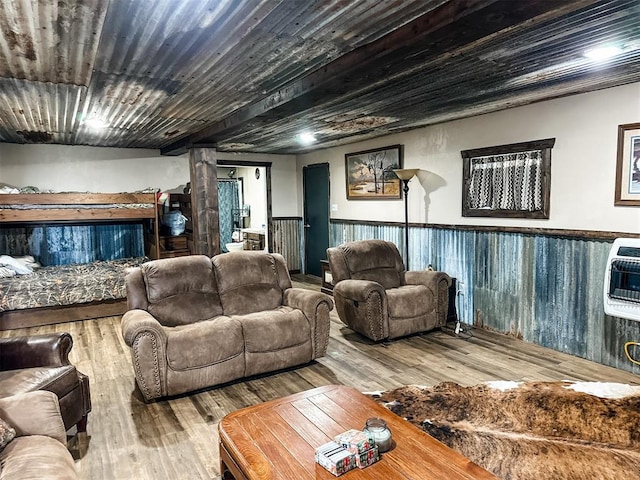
x=438, y=284
x=358, y=290
x=316, y=307
x=148, y=342
x=34, y=413
x=431, y=279
x=362, y=306
x=306, y=300
x=135, y=322
x=49, y=350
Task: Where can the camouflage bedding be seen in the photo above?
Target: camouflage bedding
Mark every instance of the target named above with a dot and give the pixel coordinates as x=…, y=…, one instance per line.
x=66, y=284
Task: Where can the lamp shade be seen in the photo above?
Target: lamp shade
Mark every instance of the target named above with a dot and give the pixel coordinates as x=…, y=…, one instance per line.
x=406, y=173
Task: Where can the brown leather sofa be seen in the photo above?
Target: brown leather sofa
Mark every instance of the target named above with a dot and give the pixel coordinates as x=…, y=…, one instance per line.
x=39, y=449
x=41, y=362
x=196, y=322
x=377, y=298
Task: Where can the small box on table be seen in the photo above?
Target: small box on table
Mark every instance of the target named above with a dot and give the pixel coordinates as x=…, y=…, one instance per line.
x=368, y=457
x=335, y=458
x=356, y=441
x=361, y=444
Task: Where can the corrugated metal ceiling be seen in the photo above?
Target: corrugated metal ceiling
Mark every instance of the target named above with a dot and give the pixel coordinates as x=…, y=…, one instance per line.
x=249, y=75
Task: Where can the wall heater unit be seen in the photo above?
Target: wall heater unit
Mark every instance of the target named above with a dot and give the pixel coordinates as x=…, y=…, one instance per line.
x=622, y=279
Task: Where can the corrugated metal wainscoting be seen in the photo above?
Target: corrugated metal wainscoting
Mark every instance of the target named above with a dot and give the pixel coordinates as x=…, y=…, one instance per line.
x=67, y=244
x=287, y=234
x=544, y=289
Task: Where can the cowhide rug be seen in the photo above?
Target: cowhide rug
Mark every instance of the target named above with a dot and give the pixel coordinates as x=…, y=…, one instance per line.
x=536, y=430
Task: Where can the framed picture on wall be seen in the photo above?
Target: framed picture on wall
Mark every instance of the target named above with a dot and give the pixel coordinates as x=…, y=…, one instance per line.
x=370, y=174
x=628, y=165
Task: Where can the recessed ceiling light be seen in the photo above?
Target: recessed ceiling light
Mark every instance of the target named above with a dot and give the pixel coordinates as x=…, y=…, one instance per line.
x=600, y=54
x=306, y=138
x=96, y=123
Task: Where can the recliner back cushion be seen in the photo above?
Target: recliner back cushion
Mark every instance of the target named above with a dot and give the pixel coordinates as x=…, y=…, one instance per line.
x=249, y=281
x=375, y=260
x=181, y=290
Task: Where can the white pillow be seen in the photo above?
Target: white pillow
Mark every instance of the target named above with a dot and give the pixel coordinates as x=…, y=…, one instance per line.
x=19, y=267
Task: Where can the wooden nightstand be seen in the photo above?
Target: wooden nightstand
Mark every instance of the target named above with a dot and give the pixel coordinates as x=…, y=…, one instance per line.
x=327, y=279
x=253, y=239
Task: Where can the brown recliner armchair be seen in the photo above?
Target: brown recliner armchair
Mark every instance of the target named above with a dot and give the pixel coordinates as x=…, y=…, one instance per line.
x=377, y=298
x=41, y=362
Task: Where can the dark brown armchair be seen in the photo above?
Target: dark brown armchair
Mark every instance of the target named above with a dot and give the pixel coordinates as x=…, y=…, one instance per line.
x=41, y=362
x=377, y=298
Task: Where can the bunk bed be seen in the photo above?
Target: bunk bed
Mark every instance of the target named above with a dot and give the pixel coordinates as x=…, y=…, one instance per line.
x=64, y=293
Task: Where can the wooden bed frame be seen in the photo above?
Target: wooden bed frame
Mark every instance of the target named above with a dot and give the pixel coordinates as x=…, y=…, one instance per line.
x=73, y=208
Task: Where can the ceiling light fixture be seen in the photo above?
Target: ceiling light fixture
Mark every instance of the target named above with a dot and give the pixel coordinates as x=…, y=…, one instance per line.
x=96, y=123
x=601, y=54
x=306, y=138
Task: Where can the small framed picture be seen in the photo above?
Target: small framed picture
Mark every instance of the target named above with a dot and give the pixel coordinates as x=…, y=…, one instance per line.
x=370, y=174
x=628, y=165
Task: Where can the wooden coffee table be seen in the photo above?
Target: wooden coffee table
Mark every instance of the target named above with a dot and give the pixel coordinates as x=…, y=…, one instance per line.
x=277, y=440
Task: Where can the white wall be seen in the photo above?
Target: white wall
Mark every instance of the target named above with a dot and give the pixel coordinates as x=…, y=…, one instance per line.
x=285, y=184
x=255, y=195
x=583, y=163
x=90, y=169
x=97, y=169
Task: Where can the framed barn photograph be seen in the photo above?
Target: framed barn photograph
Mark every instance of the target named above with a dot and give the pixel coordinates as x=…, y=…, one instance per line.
x=628, y=165
x=370, y=174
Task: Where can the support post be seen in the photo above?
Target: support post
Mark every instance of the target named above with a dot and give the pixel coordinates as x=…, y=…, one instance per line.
x=203, y=166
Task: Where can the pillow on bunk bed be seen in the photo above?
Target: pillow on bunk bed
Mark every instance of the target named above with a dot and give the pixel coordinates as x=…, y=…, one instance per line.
x=6, y=272
x=19, y=265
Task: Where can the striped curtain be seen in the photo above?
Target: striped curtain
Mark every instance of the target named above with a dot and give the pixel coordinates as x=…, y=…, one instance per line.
x=510, y=181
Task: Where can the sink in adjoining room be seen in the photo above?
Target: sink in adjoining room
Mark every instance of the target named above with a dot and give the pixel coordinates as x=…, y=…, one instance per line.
x=234, y=246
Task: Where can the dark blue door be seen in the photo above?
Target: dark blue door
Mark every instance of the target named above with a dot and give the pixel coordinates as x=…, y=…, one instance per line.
x=316, y=216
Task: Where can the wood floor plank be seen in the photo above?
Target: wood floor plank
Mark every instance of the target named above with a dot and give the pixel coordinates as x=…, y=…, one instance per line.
x=177, y=438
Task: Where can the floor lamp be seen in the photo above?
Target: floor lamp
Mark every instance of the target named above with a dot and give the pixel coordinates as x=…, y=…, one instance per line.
x=406, y=174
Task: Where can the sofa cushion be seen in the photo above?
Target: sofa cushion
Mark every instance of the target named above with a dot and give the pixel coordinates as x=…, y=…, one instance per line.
x=275, y=339
x=36, y=456
x=34, y=413
x=276, y=329
x=204, y=343
x=374, y=260
x=181, y=290
x=59, y=380
x=409, y=301
x=247, y=282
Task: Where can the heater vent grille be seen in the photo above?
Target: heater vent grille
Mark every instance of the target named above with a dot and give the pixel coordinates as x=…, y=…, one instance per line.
x=625, y=280
x=622, y=280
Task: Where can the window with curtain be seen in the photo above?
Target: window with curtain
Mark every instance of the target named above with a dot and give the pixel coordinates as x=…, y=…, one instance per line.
x=507, y=180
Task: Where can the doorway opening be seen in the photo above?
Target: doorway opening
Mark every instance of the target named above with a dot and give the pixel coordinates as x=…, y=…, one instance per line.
x=244, y=204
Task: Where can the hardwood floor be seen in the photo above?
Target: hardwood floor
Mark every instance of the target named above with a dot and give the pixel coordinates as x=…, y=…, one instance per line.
x=178, y=439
